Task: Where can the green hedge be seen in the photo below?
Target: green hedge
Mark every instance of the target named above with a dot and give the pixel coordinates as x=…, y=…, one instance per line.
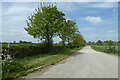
x=23, y=51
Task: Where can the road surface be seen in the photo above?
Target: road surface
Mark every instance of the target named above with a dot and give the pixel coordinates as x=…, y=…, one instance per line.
x=87, y=63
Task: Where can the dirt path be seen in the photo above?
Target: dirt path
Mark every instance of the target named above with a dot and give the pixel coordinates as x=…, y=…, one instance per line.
x=88, y=63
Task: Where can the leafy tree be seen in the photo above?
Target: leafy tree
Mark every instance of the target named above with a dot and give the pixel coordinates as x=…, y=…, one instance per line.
x=118, y=41
x=71, y=30
x=67, y=30
x=44, y=23
x=89, y=43
x=99, y=42
x=110, y=43
x=62, y=31
x=78, y=40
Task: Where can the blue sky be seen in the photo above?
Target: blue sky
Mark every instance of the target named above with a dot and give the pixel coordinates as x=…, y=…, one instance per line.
x=95, y=20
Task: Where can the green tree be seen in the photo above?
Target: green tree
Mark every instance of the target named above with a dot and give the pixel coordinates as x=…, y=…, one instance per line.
x=71, y=30
x=62, y=33
x=67, y=30
x=99, y=42
x=78, y=40
x=44, y=23
x=110, y=43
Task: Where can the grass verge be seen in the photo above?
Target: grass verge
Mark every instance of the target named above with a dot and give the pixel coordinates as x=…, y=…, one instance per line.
x=21, y=67
x=103, y=48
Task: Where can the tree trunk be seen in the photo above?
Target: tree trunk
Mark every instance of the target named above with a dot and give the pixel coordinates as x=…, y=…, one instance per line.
x=48, y=41
x=63, y=44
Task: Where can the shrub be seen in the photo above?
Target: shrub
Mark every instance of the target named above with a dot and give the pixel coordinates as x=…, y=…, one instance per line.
x=23, y=50
x=10, y=67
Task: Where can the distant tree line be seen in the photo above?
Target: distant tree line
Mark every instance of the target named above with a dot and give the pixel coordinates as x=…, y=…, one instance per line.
x=108, y=46
x=107, y=42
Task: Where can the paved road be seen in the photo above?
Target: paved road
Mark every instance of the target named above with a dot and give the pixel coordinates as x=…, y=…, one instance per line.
x=88, y=63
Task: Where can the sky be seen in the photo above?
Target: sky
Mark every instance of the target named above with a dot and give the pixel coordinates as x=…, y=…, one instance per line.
x=95, y=20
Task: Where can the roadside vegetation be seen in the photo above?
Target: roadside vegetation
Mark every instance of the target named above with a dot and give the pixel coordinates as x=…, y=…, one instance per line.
x=111, y=47
x=20, y=58
x=20, y=67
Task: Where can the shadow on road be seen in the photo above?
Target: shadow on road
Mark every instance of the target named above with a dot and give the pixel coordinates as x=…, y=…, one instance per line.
x=77, y=53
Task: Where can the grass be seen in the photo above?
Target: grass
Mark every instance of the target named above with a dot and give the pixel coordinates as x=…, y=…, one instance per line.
x=21, y=67
x=106, y=48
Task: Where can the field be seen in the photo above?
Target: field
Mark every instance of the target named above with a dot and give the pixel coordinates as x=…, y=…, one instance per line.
x=113, y=49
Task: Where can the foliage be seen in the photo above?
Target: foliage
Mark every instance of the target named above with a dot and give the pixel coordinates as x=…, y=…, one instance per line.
x=99, y=42
x=71, y=29
x=44, y=23
x=21, y=67
x=78, y=40
x=22, y=42
x=107, y=46
x=24, y=50
x=114, y=49
x=48, y=22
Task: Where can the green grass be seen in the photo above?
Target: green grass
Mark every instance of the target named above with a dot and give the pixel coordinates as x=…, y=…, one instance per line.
x=21, y=67
x=106, y=48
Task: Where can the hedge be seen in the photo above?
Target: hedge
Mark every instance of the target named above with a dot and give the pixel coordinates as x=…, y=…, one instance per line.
x=23, y=51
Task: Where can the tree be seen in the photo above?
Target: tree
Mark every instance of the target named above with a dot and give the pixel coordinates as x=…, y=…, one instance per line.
x=78, y=40
x=62, y=33
x=110, y=43
x=89, y=43
x=99, y=42
x=44, y=23
x=71, y=29
x=67, y=30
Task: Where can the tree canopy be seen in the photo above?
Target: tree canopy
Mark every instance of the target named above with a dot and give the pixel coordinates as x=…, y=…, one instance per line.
x=78, y=40
x=47, y=22
x=44, y=23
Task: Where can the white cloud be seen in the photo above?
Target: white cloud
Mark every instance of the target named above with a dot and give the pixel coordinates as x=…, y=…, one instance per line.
x=104, y=5
x=93, y=20
x=110, y=31
x=70, y=7
x=16, y=10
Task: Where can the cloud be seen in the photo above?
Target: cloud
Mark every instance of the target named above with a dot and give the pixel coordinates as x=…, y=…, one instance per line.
x=70, y=7
x=15, y=15
x=104, y=5
x=16, y=10
x=80, y=6
x=110, y=31
x=93, y=20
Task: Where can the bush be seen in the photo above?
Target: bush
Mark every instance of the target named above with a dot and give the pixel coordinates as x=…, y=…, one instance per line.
x=10, y=67
x=23, y=50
